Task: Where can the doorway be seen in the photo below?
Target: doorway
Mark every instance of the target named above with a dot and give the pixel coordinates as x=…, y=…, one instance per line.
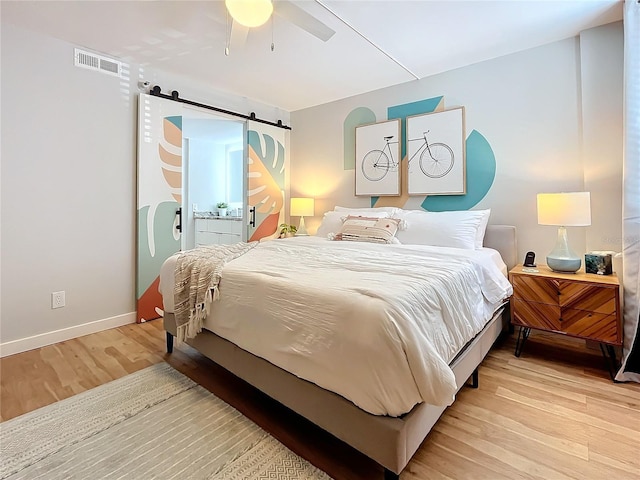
x=166, y=198
x=214, y=171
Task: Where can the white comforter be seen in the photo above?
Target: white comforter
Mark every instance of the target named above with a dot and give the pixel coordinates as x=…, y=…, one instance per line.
x=377, y=324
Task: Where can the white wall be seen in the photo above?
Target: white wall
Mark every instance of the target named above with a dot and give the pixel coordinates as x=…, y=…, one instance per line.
x=68, y=187
x=528, y=105
x=601, y=58
x=207, y=173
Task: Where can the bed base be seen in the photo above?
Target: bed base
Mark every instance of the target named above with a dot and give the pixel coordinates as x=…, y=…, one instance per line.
x=390, y=441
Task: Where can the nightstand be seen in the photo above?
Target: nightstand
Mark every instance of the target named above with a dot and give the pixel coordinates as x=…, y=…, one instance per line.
x=581, y=305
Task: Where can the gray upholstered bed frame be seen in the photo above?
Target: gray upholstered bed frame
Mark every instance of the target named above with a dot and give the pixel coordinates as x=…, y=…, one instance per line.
x=389, y=441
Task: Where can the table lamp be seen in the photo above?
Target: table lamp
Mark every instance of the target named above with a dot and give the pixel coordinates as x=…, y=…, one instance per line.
x=302, y=207
x=564, y=210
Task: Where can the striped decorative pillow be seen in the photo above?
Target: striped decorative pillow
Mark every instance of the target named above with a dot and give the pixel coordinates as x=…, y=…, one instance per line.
x=368, y=229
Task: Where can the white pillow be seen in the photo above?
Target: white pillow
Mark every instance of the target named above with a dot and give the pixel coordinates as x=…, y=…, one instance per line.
x=458, y=229
x=358, y=211
x=332, y=221
x=484, y=221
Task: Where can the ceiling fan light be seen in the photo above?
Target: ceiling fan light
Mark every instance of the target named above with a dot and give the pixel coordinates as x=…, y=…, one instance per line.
x=250, y=13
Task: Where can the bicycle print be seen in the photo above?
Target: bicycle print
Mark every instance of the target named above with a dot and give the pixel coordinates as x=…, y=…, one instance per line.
x=377, y=158
x=436, y=153
x=436, y=159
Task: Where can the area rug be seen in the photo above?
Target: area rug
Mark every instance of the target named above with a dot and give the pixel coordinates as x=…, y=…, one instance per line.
x=155, y=423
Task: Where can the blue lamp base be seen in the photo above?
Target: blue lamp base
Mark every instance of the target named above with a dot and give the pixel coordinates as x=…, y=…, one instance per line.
x=564, y=265
x=562, y=259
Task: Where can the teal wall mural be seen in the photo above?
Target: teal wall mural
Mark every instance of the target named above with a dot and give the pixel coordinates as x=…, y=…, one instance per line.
x=165, y=245
x=481, y=171
x=480, y=159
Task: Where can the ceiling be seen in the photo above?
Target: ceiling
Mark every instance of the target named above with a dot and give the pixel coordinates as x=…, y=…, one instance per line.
x=399, y=41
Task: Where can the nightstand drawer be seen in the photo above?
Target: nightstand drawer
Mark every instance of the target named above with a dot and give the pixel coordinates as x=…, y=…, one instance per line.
x=536, y=289
x=591, y=326
x=572, y=321
x=535, y=315
x=565, y=293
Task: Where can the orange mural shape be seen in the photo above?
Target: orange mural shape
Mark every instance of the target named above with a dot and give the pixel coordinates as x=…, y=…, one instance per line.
x=148, y=302
x=169, y=158
x=171, y=162
x=267, y=228
x=263, y=191
x=172, y=134
x=174, y=179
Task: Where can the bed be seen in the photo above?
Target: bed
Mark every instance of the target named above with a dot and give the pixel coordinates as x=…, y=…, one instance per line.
x=390, y=415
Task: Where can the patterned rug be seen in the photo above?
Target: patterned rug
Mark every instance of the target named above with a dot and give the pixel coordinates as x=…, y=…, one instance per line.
x=155, y=423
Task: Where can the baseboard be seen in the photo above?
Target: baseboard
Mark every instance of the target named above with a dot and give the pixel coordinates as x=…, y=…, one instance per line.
x=49, y=338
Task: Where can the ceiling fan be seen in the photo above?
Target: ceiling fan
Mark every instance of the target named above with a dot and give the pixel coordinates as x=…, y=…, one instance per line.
x=246, y=14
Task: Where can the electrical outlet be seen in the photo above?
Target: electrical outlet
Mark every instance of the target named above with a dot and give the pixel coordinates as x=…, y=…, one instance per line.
x=57, y=299
x=194, y=207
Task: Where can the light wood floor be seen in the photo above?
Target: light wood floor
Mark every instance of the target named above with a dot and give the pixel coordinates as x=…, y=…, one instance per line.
x=551, y=414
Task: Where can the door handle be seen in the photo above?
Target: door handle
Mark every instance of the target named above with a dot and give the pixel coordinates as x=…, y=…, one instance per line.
x=179, y=215
x=252, y=222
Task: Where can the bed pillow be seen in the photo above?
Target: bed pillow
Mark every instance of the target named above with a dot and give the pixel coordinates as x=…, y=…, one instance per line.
x=332, y=221
x=368, y=229
x=458, y=229
x=484, y=221
x=365, y=210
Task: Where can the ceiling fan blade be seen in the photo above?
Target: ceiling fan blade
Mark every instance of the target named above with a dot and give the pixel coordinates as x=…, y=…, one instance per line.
x=296, y=15
x=238, y=35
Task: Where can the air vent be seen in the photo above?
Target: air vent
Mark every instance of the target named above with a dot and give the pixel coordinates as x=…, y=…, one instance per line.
x=93, y=61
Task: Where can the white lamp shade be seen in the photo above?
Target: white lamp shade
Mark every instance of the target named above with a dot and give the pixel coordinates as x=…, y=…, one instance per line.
x=250, y=13
x=564, y=209
x=302, y=207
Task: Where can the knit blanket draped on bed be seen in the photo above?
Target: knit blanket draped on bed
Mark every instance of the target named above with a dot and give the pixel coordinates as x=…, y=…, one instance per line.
x=197, y=278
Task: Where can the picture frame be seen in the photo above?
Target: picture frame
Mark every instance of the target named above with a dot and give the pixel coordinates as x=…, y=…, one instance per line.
x=436, y=153
x=378, y=151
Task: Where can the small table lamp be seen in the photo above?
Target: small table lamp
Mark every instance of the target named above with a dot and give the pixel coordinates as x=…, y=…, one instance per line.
x=302, y=207
x=564, y=210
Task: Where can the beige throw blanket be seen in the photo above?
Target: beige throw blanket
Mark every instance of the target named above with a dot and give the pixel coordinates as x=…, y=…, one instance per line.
x=197, y=275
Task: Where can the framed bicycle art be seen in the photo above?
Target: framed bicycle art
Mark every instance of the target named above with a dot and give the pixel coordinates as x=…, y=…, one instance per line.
x=435, y=149
x=378, y=158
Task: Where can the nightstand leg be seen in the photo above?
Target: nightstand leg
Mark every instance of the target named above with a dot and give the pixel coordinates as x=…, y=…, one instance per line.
x=609, y=354
x=169, y=343
x=523, y=334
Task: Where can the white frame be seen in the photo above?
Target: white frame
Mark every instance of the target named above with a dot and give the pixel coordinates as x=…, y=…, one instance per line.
x=371, y=147
x=439, y=167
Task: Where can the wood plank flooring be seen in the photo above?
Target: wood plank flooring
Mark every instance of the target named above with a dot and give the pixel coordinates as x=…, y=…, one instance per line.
x=551, y=414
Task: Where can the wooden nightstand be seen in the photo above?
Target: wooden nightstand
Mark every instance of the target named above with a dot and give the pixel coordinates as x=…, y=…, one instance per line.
x=581, y=305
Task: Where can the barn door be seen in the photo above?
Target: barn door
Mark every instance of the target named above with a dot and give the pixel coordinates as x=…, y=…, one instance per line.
x=267, y=165
x=159, y=197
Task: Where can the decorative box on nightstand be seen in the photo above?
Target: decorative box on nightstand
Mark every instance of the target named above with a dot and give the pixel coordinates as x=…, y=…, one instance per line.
x=578, y=304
